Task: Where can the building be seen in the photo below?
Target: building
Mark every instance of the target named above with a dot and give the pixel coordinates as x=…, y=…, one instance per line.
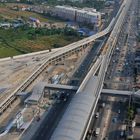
x=67, y=13
x=87, y=15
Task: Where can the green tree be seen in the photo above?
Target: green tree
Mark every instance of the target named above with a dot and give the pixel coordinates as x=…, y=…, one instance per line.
x=130, y=113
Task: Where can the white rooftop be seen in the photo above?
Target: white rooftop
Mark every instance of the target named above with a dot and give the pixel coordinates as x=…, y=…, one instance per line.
x=90, y=11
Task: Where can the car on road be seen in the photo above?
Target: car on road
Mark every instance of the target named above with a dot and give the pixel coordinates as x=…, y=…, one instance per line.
x=114, y=120
x=97, y=115
x=103, y=105
x=122, y=134
x=119, y=111
x=113, y=61
x=97, y=132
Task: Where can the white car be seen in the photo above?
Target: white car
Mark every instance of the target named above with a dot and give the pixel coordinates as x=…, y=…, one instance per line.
x=97, y=115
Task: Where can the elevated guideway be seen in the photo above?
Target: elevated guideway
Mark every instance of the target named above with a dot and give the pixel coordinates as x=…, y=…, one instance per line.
x=55, y=58
x=116, y=92
x=75, y=123
x=61, y=87
x=121, y=93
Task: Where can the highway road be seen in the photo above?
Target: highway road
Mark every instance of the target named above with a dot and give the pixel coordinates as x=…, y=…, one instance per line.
x=112, y=116
x=125, y=61
x=116, y=7
x=127, y=74
x=88, y=62
x=109, y=119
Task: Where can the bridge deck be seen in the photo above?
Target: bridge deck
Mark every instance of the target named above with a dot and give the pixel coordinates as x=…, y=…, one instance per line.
x=59, y=86
x=116, y=92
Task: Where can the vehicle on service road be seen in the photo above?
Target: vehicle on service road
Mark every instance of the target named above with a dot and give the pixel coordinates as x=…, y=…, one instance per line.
x=97, y=132
x=97, y=115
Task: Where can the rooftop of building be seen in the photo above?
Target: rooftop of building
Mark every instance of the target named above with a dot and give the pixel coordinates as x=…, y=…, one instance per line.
x=90, y=11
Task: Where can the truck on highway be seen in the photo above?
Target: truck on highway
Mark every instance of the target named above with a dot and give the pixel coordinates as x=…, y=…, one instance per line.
x=97, y=132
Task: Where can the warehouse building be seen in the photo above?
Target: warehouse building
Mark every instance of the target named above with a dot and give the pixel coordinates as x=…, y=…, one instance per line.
x=86, y=15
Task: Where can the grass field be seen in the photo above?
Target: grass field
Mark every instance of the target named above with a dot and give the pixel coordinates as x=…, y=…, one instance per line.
x=16, y=41
x=6, y=52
